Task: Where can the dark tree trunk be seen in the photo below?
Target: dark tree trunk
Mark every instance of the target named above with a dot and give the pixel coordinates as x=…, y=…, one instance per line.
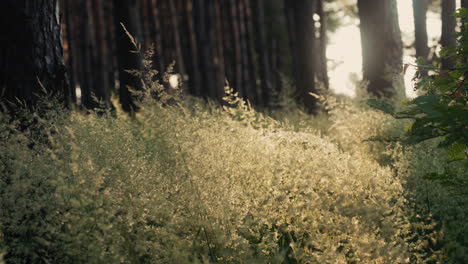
x=262, y=52
x=203, y=44
x=156, y=33
x=448, y=38
x=168, y=49
x=464, y=3
x=236, y=80
x=180, y=64
x=194, y=72
x=279, y=47
x=217, y=37
x=70, y=53
x=126, y=12
x=87, y=77
x=102, y=84
x=245, y=85
x=111, y=45
x=381, y=47
x=31, y=53
x=228, y=45
x=147, y=29
x=420, y=29
x=302, y=37
x=251, y=67
x=322, y=69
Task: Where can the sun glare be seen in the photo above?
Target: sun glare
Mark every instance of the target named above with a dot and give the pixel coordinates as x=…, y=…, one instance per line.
x=345, y=56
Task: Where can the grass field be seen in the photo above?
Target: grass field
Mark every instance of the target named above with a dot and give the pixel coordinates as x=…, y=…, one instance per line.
x=195, y=182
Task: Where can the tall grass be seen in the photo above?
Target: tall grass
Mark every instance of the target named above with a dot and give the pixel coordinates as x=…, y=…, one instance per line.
x=193, y=182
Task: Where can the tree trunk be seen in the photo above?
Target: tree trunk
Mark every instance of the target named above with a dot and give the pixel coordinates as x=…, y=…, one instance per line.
x=262, y=52
x=86, y=37
x=448, y=38
x=322, y=69
x=180, y=64
x=31, y=54
x=71, y=54
x=381, y=47
x=111, y=45
x=156, y=32
x=236, y=81
x=218, y=51
x=302, y=37
x=464, y=3
x=102, y=84
x=126, y=12
x=420, y=29
x=251, y=67
x=193, y=69
x=203, y=44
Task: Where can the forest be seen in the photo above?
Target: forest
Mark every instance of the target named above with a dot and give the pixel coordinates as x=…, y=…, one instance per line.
x=222, y=131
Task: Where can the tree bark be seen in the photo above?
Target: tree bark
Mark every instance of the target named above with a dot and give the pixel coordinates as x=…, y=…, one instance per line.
x=156, y=32
x=180, y=63
x=218, y=51
x=322, y=69
x=126, y=12
x=193, y=69
x=87, y=71
x=420, y=30
x=448, y=38
x=236, y=81
x=381, y=47
x=262, y=52
x=203, y=44
x=464, y=3
x=102, y=84
x=31, y=54
x=71, y=54
x=302, y=37
x=251, y=67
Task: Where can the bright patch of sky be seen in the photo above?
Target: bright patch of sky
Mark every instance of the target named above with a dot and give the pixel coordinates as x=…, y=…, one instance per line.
x=344, y=49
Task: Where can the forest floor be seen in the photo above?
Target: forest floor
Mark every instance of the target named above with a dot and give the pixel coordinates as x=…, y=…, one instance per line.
x=199, y=183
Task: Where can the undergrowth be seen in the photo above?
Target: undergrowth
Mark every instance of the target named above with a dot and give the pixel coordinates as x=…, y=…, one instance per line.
x=192, y=182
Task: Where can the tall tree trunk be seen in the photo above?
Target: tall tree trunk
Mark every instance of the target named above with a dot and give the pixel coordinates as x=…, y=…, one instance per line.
x=322, y=69
x=381, y=47
x=251, y=67
x=236, y=81
x=448, y=38
x=102, y=85
x=246, y=86
x=156, y=33
x=111, y=45
x=464, y=3
x=203, y=44
x=87, y=77
x=262, y=48
x=218, y=51
x=420, y=29
x=70, y=29
x=279, y=48
x=193, y=69
x=180, y=63
x=302, y=37
x=31, y=54
x=126, y=13
x=147, y=29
